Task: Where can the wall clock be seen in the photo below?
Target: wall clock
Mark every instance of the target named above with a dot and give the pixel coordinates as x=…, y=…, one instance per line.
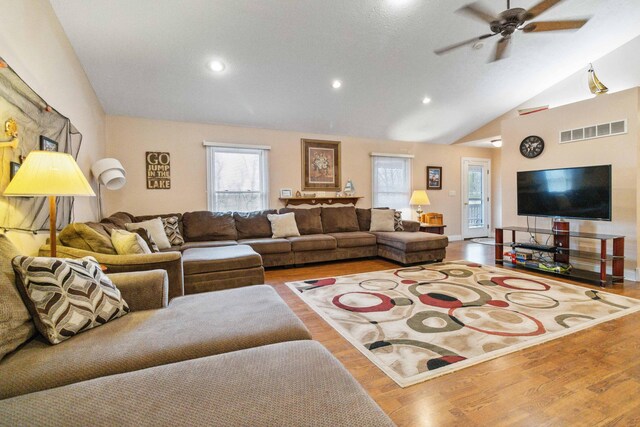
x=531, y=147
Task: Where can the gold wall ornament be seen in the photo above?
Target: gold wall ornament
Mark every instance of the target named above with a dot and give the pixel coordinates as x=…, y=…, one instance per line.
x=595, y=86
x=11, y=131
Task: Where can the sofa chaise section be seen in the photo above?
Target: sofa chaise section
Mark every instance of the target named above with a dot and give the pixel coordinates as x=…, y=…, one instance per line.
x=294, y=383
x=189, y=327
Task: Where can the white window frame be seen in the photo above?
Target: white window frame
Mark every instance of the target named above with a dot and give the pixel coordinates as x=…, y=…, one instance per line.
x=406, y=209
x=262, y=150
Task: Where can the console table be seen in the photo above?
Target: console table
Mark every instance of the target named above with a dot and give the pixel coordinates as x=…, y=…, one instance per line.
x=563, y=253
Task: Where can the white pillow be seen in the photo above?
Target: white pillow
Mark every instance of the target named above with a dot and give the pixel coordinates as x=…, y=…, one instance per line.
x=155, y=227
x=283, y=225
x=382, y=220
x=127, y=243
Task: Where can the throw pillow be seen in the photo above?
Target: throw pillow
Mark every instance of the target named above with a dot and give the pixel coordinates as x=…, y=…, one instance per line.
x=67, y=296
x=155, y=228
x=283, y=225
x=127, y=243
x=142, y=232
x=16, y=326
x=397, y=221
x=172, y=230
x=382, y=220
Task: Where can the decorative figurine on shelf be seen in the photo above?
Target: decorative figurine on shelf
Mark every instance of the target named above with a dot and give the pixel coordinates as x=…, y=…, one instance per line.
x=349, y=188
x=298, y=193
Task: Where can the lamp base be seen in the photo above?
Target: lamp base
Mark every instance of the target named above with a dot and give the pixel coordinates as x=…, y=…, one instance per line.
x=419, y=212
x=52, y=225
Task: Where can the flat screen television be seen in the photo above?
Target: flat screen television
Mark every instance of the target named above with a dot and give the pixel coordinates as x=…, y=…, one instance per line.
x=579, y=193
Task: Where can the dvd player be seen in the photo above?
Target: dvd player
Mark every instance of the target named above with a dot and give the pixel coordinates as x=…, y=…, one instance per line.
x=535, y=247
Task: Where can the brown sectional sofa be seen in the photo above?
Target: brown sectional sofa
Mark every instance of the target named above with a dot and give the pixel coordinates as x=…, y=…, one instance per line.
x=327, y=234
x=235, y=357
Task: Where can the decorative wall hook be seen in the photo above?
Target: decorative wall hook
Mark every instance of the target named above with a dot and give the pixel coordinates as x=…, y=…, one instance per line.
x=10, y=130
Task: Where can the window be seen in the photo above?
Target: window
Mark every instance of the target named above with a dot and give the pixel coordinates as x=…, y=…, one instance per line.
x=237, y=178
x=391, y=182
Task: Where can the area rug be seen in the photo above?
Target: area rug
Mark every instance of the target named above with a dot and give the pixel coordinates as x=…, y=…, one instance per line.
x=420, y=322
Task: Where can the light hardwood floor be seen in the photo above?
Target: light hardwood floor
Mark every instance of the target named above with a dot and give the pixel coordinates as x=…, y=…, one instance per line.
x=589, y=378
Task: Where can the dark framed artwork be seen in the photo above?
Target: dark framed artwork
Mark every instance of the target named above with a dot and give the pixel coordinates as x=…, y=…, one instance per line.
x=434, y=177
x=320, y=165
x=47, y=144
x=13, y=169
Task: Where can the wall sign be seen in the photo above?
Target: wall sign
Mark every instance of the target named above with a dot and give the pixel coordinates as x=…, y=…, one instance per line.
x=158, y=170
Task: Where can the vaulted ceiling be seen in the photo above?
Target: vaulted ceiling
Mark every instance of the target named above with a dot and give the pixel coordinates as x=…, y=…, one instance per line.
x=149, y=58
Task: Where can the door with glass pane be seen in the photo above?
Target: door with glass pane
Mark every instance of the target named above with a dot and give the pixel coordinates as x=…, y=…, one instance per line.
x=476, y=202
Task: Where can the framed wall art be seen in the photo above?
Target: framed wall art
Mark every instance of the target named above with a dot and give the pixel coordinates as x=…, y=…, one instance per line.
x=434, y=177
x=47, y=144
x=320, y=165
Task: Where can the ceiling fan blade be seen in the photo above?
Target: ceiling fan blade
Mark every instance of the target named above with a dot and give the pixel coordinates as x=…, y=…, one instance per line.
x=463, y=43
x=540, y=8
x=477, y=11
x=501, y=48
x=554, y=25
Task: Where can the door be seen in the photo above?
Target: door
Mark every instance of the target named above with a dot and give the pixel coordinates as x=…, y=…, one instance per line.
x=476, y=200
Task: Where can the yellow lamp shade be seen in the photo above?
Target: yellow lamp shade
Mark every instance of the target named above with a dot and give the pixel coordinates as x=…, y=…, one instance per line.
x=48, y=173
x=419, y=197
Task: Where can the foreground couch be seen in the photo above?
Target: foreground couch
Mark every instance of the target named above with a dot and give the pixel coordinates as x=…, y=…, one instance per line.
x=236, y=357
x=230, y=249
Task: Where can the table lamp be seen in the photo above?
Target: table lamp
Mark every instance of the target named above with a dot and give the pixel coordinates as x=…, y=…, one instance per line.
x=51, y=174
x=419, y=197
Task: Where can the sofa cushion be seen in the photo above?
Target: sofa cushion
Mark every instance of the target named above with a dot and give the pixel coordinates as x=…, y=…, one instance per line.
x=364, y=219
x=200, y=226
x=16, y=326
x=162, y=217
x=336, y=220
x=208, y=244
x=208, y=260
x=397, y=221
x=411, y=242
x=253, y=224
x=267, y=245
x=67, y=296
x=312, y=242
x=354, y=239
x=119, y=219
x=85, y=236
x=172, y=230
x=287, y=384
x=190, y=327
x=307, y=220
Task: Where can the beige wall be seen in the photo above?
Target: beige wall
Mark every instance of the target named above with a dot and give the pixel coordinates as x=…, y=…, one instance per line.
x=128, y=139
x=619, y=151
x=34, y=44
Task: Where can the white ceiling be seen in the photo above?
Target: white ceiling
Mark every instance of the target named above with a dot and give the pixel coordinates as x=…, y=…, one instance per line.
x=148, y=58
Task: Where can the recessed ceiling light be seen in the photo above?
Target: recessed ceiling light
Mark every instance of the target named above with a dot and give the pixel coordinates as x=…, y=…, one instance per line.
x=426, y=100
x=336, y=84
x=217, y=66
x=496, y=143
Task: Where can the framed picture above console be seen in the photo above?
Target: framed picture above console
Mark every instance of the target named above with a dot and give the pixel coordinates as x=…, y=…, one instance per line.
x=320, y=165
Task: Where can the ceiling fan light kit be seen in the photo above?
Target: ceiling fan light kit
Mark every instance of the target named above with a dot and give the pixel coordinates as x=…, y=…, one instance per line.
x=508, y=22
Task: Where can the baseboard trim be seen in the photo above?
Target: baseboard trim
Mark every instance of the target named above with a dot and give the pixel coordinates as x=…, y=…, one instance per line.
x=455, y=237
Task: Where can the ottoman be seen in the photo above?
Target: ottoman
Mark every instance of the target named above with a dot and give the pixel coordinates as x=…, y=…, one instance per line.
x=213, y=269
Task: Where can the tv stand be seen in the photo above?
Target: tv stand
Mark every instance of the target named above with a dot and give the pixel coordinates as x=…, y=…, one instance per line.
x=563, y=253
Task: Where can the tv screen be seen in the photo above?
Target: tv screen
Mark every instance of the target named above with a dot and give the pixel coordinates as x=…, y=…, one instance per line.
x=581, y=193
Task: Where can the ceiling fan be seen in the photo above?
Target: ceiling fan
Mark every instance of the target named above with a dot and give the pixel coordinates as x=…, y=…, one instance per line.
x=509, y=21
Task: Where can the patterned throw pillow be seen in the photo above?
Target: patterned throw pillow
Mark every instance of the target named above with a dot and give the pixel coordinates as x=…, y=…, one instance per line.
x=146, y=236
x=67, y=296
x=172, y=228
x=397, y=221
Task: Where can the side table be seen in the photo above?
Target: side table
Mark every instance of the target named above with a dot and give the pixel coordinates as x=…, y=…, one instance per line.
x=435, y=229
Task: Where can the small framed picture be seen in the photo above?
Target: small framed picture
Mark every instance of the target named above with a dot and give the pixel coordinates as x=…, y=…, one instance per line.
x=13, y=169
x=434, y=177
x=47, y=144
x=286, y=192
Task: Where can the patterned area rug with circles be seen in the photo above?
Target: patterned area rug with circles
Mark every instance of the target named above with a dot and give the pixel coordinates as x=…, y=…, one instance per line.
x=416, y=323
